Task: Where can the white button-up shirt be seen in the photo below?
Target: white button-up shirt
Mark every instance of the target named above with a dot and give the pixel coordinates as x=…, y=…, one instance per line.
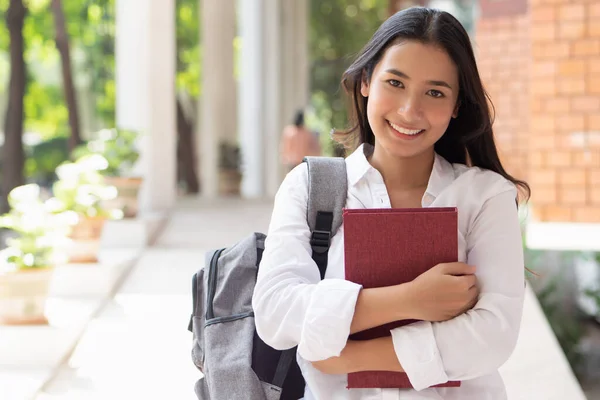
x=293, y=307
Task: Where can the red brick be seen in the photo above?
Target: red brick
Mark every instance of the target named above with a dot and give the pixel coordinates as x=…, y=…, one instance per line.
x=543, y=88
x=593, y=85
x=571, y=86
x=593, y=122
x=543, y=14
x=572, y=12
x=543, y=123
x=586, y=214
x=542, y=142
x=576, y=196
x=593, y=27
x=542, y=177
x=571, y=30
x=555, y=50
x=572, y=177
x=594, y=65
x=559, y=159
x=544, y=195
x=543, y=68
x=586, y=103
x=572, y=68
x=543, y=32
x=536, y=105
x=557, y=104
x=537, y=159
x=558, y=214
x=570, y=123
x=586, y=47
x=588, y=159
x=594, y=178
x=595, y=196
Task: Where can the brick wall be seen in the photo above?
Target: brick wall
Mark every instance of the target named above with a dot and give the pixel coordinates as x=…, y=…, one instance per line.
x=503, y=49
x=541, y=65
x=564, y=160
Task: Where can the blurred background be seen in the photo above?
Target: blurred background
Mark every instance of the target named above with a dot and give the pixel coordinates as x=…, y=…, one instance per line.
x=136, y=134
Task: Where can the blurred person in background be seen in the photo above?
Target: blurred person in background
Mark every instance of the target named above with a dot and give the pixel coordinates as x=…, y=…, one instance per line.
x=298, y=142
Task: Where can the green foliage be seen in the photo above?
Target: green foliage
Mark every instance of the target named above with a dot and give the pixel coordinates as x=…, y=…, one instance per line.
x=40, y=230
x=188, y=47
x=566, y=323
x=338, y=30
x=43, y=159
x=118, y=147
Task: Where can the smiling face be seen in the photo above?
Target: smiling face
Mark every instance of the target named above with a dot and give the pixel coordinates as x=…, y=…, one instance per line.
x=412, y=96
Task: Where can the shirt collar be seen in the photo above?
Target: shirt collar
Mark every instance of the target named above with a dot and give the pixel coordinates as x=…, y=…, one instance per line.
x=442, y=174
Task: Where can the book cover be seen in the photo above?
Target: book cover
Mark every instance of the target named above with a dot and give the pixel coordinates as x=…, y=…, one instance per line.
x=385, y=247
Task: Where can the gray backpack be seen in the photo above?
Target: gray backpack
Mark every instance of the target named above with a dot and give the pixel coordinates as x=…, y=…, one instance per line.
x=235, y=362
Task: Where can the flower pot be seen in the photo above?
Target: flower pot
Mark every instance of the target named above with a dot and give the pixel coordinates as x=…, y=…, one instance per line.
x=127, y=199
x=85, y=240
x=23, y=295
x=229, y=182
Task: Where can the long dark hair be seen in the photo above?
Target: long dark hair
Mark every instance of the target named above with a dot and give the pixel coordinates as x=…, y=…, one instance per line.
x=469, y=138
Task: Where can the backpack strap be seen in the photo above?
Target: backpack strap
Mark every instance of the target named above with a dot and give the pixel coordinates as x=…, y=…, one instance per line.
x=327, y=193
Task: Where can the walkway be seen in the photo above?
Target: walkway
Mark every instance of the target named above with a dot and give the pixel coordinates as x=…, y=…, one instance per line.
x=137, y=345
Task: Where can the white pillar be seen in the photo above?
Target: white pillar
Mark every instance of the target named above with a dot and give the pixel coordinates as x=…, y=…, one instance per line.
x=252, y=95
x=274, y=74
x=295, y=57
x=145, y=64
x=218, y=98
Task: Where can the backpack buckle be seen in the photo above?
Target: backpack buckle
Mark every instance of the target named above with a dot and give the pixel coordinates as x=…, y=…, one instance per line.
x=320, y=241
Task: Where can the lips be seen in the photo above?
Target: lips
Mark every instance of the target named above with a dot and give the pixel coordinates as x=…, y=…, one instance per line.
x=404, y=131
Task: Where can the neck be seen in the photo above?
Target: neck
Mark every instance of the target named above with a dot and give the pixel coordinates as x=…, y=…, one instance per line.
x=403, y=173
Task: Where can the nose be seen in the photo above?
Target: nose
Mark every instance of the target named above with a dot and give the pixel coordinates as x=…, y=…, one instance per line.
x=411, y=109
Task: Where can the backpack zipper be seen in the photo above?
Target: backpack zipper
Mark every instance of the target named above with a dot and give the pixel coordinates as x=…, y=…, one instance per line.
x=222, y=320
x=212, y=283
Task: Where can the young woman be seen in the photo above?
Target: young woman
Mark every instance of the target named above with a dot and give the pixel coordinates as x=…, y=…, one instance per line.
x=425, y=138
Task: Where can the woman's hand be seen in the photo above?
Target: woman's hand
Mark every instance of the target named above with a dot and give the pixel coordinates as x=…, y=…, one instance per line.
x=444, y=291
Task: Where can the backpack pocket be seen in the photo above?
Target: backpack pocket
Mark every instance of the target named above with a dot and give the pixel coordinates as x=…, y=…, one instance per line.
x=229, y=363
x=196, y=325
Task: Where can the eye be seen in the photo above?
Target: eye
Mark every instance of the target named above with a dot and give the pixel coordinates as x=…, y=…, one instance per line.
x=395, y=83
x=435, y=93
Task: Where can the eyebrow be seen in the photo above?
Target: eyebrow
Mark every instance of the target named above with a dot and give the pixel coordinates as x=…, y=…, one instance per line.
x=403, y=75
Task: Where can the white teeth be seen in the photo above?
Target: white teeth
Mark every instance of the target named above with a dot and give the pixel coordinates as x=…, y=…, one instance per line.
x=405, y=131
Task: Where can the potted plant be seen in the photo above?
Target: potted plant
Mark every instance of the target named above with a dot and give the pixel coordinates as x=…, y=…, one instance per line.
x=27, y=263
x=230, y=175
x=81, y=188
x=118, y=147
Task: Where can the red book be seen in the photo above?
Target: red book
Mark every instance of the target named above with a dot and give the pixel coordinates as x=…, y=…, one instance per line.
x=385, y=247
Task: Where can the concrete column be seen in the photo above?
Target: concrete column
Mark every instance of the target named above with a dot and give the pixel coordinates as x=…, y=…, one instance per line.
x=274, y=76
x=145, y=64
x=273, y=84
x=252, y=96
x=218, y=107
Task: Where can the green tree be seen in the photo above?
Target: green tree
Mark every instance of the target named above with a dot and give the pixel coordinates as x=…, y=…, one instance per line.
x=338, y=30
x=62, y=44
x=13, y=156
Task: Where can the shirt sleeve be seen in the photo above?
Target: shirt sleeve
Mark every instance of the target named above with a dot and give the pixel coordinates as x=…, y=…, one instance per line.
x=292, y=306
x=479, y=341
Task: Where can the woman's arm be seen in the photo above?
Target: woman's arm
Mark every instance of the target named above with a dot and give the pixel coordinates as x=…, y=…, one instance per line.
x=292, y=306
x=479, y=341
x=367, y=355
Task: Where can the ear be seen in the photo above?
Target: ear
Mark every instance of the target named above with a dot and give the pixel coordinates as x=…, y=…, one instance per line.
x=455, y=113
x=364, y=86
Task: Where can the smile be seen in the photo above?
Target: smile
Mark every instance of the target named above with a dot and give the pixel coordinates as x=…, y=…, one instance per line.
x=405, y=132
